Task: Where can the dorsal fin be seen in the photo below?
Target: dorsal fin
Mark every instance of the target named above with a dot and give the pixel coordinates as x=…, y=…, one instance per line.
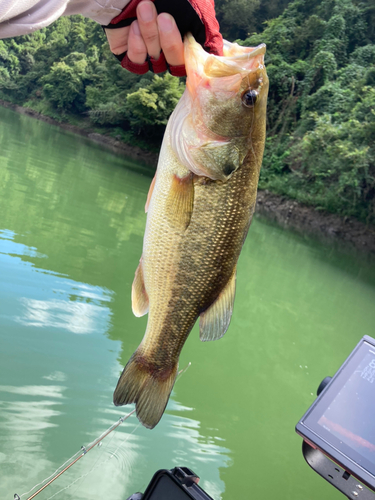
x=139, y=294
x=215, y=320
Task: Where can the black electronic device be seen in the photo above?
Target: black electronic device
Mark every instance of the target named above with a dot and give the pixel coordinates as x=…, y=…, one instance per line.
x=339, y=427
x=179, y=483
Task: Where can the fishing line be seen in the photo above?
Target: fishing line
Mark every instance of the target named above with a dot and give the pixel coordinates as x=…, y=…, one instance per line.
x=48, y=478
x=81, y=453
x=97, y=460
x=181, y=372
x=96, y=463
x=71, y=461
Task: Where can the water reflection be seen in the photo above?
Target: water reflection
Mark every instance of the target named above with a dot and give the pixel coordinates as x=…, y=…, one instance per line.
x=34, y=417
x=9, y=247
x=48, y=391
x=80, y=310
x=27, y=415
x=56, y=376
x=70, y=240
x=122, y=458
x=73, y=316
x=71, y=226
x=118, y=465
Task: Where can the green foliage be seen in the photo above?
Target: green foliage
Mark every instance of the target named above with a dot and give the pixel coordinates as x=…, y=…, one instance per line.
x=151, y=106
x=320, y=59
x=236, y=16
x=240, y=18
x=64, y=84
x=145, y=110
x=67, y=69
x=321, y=134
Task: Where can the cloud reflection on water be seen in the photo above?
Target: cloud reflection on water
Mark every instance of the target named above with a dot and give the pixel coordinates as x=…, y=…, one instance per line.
x=205, y=454
x=77, y=317
x=48, y=391
x=10, y=247
x=125, y=458
x=48, y=267
x=24, y=423
x=80, y=309
x=56, y=376
x=117, y=468
x=33, y=415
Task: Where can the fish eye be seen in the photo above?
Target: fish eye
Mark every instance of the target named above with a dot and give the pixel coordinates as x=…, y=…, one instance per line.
x=249, y=98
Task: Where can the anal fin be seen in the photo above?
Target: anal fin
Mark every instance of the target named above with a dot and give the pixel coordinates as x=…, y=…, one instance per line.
x=139, y=294
x=214, y=322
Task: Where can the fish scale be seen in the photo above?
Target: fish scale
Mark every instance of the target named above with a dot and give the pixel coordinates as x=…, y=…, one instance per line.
x=199, y=211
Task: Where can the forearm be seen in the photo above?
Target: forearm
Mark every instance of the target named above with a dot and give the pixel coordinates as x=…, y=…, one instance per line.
x=21, y=17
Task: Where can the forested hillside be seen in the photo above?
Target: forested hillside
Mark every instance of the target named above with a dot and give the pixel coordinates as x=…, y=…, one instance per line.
x=321, y=116
x=321, y=109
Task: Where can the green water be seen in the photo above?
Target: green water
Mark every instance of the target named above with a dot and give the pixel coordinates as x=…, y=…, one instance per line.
x=71, y=228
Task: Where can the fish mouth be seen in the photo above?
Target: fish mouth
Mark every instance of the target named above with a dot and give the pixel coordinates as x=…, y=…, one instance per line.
x=236, y=59
x=221, y=73
x=237, y=52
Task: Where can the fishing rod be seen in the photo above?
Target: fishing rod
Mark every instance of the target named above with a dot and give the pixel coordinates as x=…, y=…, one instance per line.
x=84, y=452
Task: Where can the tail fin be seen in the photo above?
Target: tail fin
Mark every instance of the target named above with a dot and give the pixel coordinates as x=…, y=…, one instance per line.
x=146, y=386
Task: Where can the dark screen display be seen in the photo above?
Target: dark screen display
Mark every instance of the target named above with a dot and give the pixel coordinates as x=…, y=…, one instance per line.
x=344, y=415
x=166, y=489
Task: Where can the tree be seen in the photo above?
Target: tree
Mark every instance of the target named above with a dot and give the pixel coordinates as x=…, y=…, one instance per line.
x=321, y=141
x=153, y=104
x=64, y=84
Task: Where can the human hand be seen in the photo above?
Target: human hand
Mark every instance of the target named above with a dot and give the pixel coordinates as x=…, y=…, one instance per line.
x=148, y=35
x=143, y=39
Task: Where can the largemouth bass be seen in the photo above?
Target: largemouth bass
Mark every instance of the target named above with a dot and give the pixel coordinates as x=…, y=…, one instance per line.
x=200, y=206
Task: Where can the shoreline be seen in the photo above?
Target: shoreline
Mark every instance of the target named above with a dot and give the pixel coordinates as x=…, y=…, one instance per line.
x=347, y=233
x=286, y=212
x=133, y=152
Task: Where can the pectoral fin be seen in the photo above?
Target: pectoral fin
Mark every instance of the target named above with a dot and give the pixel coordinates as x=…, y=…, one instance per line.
x=180, y=201
x=215, y=320
x=139, y=294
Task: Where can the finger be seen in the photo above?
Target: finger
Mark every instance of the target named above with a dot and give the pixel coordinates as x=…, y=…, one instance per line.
x=170, y=40
x=118, y=39
x=137, y=51
x=146, y=15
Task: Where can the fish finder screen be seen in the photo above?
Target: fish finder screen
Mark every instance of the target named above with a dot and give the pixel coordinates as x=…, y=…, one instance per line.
x=345, y=415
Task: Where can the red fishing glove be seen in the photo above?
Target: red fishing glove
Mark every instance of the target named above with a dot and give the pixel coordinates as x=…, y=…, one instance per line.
x=194, y=16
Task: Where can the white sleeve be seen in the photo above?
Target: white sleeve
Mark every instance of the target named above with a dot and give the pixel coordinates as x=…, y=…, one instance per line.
x=20, y=17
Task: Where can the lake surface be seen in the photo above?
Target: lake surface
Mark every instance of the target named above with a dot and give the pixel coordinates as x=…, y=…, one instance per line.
x=71, y=229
